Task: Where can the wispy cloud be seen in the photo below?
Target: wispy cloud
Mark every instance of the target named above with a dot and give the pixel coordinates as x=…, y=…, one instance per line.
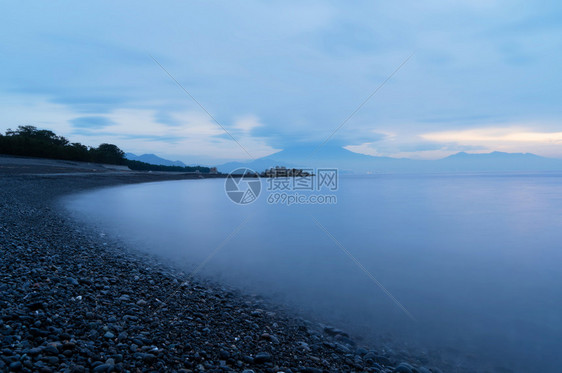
x=194, y=134
x=495, y=135
x=247, y=123
x=91, y=122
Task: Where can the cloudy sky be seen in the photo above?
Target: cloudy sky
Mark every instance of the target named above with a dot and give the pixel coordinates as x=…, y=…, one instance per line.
x=484, y=75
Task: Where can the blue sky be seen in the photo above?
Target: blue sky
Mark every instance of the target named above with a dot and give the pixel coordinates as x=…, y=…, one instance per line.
x=485, y=75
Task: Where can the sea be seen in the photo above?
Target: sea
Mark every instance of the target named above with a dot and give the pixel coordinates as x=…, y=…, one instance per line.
x=464, y=267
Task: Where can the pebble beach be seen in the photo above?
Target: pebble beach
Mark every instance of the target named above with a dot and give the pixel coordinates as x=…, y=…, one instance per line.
x=71, y=302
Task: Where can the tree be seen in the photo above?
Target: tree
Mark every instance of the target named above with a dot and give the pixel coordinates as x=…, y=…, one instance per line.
x=31, y=132
x=77, y=151
x=108, y=153
x=30, y=141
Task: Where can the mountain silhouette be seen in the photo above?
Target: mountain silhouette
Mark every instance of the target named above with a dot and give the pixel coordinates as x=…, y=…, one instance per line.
x=153, y=159
x=349, y=162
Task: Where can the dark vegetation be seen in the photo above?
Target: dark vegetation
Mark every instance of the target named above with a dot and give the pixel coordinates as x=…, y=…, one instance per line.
x=32, y=142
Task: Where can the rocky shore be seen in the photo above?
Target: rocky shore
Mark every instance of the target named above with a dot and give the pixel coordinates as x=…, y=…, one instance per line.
x=69, y=302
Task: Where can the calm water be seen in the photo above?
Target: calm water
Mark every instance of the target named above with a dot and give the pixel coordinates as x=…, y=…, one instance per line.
x=475, y=259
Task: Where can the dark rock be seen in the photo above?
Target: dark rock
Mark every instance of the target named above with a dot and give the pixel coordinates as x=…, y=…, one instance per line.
x=103, y=368
x=53, y=360
x=361, y=351
x=404, y=368
x=342, y=348
x=383, y=360
x=310, y=370
x=147, y=358
x=34, y=306
x=35, y=351
x=16, y=366
x=223, y=354
x=262, y=357
x=333, y=331
x=50, y=350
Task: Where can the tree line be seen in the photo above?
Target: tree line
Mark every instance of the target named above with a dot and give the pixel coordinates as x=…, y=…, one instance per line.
x=32, y=142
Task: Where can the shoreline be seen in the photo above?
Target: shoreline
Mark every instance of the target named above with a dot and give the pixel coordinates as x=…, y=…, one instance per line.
x=71, y=302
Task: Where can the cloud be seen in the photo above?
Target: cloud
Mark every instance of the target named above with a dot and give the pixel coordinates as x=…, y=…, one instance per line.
x=285, y=73
x=496, y=136
x=92, y=122
x=247, y=123
x=167, y=118
x=535, y=138
x=137, y=130
x=515, y=138
x=415, y=149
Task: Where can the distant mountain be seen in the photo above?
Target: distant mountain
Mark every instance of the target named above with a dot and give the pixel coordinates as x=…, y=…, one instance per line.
x=325, y=157
x=153, y=159
x=349, y=162
x=498, y=161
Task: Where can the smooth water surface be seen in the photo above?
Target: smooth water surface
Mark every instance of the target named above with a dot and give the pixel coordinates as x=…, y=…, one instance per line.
x=474, y=259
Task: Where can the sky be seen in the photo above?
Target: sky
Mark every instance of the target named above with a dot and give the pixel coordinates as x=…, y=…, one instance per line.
x=482, y=75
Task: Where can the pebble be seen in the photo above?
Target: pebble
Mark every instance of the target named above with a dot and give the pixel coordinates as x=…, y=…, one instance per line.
x=403, y=368
x=262, y=357
x=16, y=366
x=103, y=368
